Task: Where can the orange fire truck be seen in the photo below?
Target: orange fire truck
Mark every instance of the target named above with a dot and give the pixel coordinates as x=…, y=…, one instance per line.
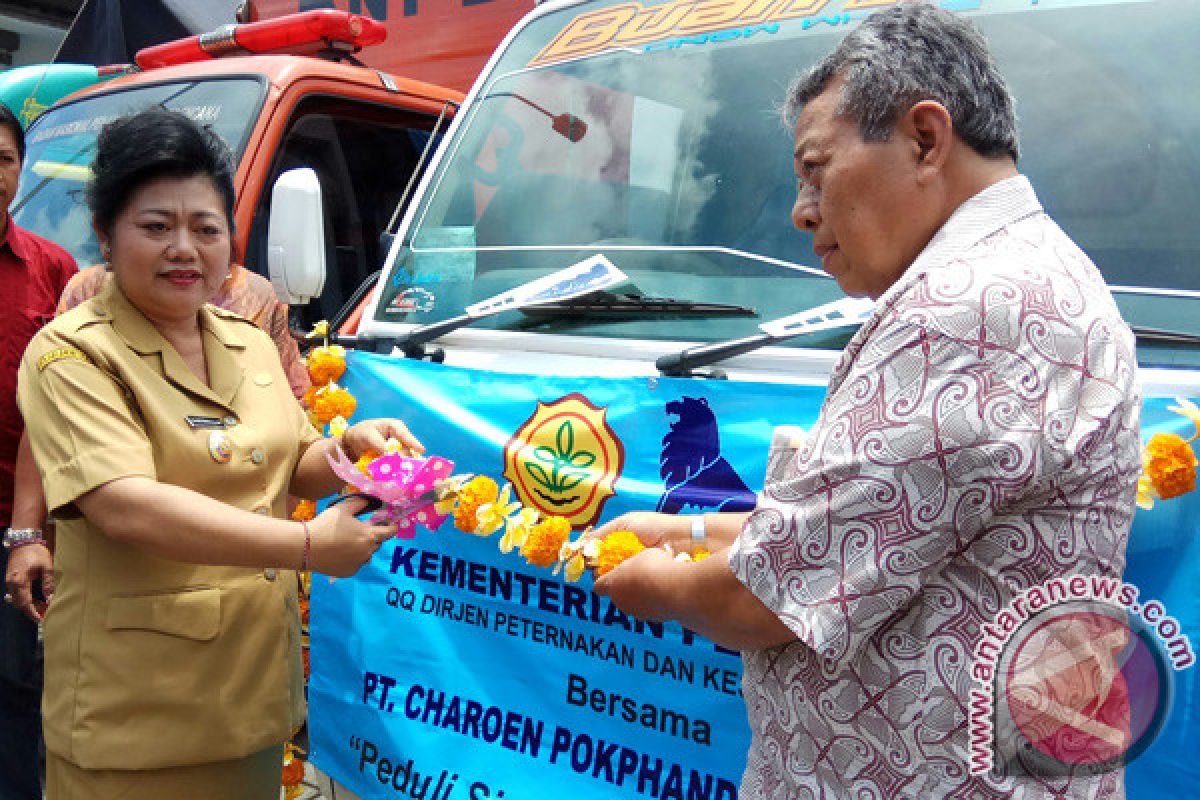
x=358, y=98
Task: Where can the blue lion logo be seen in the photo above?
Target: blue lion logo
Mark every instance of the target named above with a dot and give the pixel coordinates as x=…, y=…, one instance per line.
x=691, y=464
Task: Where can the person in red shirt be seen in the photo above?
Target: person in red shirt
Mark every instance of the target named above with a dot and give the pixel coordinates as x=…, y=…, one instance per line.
x=33, y=272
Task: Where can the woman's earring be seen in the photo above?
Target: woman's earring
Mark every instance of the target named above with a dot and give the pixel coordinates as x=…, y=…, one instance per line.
x=106, y=252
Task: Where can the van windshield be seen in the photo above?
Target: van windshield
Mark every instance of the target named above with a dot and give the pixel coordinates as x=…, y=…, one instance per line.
x=669, y=157
x=61, y=146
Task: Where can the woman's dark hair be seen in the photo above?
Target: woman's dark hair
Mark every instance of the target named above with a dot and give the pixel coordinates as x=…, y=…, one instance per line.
x=135, y=150
x=9, y=120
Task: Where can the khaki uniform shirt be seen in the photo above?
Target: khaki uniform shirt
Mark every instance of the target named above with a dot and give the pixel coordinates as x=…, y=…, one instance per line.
x=152, y=663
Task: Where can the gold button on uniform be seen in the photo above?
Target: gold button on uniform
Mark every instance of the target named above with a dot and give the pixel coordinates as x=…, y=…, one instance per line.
x=270, y=573
x=258, y=456
x=263, y=379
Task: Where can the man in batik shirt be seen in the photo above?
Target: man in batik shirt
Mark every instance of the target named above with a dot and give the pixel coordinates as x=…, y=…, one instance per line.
x=979, y=437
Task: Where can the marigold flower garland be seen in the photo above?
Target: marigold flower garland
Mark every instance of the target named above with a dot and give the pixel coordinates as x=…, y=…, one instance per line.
x=328, y=405
x=480, y=507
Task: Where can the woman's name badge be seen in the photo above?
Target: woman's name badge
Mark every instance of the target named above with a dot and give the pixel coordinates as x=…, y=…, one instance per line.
x=204, y=423
x=219, y=447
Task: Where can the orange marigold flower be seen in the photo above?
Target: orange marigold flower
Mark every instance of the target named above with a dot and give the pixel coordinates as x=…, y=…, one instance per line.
x=332, y=401
x=1171, y=465
x=479, y=490
x=304, y=511
x=310, y=396
x=304, y=606
x=364, y=461
x=615, y=548
x=325, y=364
x=700, y=554
x=293, y=772
x=545, y=541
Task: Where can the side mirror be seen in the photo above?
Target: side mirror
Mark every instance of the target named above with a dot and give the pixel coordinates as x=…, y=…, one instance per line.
x=296, y=237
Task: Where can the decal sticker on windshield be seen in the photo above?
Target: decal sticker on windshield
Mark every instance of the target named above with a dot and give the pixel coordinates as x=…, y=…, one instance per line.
x=413, y=300
x=632, y=24
x=670, y=25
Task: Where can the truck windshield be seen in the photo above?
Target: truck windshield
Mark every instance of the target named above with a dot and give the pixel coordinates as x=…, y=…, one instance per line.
x=62, y=144
x=669, y=156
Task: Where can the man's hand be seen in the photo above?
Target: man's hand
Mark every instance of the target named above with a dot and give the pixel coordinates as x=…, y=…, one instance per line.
x=26, y=564
x=641, y=585
x=652, y=529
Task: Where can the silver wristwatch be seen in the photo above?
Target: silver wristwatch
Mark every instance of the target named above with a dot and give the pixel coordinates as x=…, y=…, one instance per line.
x=18, y=537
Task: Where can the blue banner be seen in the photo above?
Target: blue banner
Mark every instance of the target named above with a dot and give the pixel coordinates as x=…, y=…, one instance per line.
x=446, y=669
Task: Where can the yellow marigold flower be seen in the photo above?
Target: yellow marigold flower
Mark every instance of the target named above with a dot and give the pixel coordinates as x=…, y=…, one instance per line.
x=575, y=567
x=490, y=517
x=338, y=426
x=1188, y=409
x=516, y=529
x=575, y=557
x=700, y=554
x=364, y=462
x=1145, y=492
x=479, y=490
x=325, y=364
x=332, y=401
x=448, y=493
x=1170, y=465
x=545, y=541
x=293, y=767
x=304, y=511
x=615, y=548
x=319, y=331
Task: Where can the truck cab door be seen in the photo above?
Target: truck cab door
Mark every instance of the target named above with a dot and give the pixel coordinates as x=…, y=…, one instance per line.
x=364, y=155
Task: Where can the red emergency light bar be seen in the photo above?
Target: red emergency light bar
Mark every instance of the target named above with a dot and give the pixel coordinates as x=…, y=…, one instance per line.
x=296, y=34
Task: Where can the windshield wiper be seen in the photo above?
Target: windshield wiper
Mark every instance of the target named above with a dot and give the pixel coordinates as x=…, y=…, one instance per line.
x=686, y=362
x=849, y=312
x=609, y=304
x=1160, y=336
x=414, y=343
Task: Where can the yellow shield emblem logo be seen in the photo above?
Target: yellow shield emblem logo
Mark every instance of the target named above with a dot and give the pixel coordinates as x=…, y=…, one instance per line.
x=565, y=459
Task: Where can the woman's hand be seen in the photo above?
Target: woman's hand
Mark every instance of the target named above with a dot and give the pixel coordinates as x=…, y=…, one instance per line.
x=373, y=434
x=340, y=544
x=652, y=529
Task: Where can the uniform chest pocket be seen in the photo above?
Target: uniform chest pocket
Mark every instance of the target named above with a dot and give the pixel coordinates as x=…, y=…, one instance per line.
x=191, y=614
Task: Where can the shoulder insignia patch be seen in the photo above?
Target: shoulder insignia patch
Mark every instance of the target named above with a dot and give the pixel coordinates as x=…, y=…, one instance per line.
x=60, y=353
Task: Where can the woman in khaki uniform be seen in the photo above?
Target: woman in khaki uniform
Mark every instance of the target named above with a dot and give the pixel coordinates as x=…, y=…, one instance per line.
x=168, y=439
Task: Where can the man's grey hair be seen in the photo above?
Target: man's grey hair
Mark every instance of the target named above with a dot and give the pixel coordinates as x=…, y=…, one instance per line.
x=912, y=52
